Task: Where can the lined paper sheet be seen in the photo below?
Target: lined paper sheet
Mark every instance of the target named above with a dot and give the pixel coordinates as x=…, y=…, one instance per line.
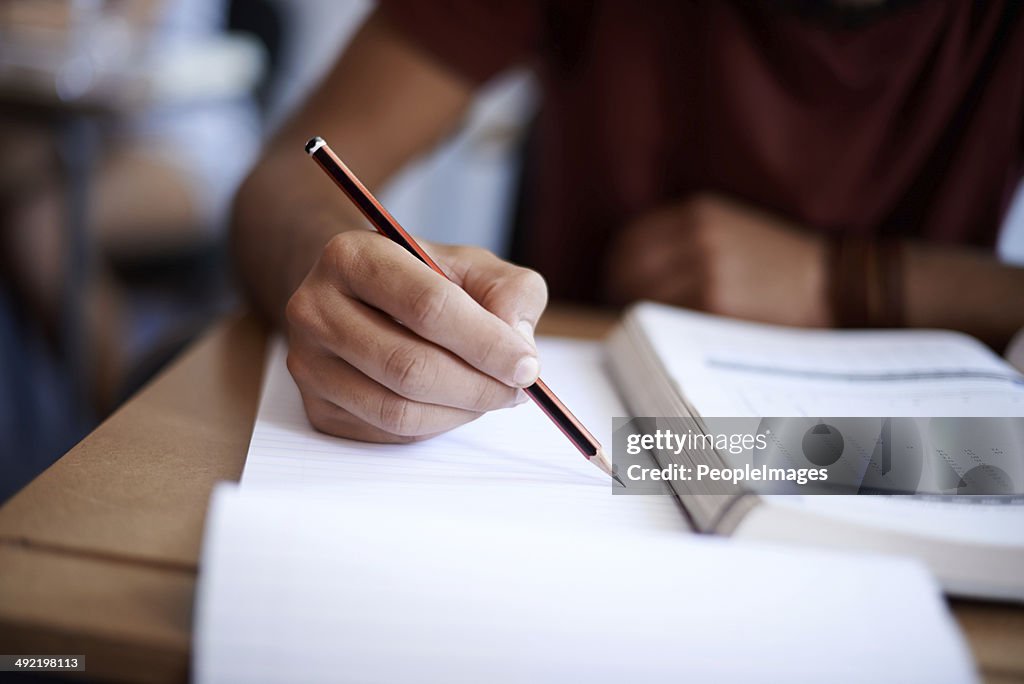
x=735, y=368
x=514, y=459
x=311, y=590
x=496, y=553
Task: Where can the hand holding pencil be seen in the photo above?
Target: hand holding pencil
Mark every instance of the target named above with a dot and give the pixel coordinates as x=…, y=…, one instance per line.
x=384, y=348
x=365, y=376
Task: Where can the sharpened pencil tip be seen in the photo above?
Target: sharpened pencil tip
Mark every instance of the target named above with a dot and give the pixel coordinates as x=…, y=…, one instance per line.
x=601, y=460
x=314, y=144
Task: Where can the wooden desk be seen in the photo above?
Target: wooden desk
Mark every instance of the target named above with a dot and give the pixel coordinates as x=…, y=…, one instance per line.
x=98, y=555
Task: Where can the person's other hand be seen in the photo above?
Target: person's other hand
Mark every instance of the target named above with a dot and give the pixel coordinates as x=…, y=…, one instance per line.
x=715, y=254
x=463, y=347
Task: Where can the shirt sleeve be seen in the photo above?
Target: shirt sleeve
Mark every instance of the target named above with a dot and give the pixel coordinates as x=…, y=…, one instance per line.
x=475, y=38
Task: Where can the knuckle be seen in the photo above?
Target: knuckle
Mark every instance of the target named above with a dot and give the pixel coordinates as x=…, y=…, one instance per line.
x=309, y=381
x=336, y=248
x=298, y=312
x=306, y=321
x=343, y=252
x=301, y=369
x=533, y=281
x=408, y=371
x=318, y=416
x=296, y=367
x=320, y=421
x=471, y=253
x=396, y=416
x=428, y=305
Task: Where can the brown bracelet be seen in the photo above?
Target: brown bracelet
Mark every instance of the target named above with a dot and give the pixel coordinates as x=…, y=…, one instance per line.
x=865, y=282
x=847, y=262
x=890, y=253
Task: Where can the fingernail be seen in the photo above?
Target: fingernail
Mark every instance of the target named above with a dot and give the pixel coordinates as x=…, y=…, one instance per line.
x=521, y=397
x=527, y=371
x=525, y=329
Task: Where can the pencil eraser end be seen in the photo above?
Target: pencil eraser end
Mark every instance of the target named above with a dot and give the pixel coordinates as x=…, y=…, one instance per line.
x=314, y=144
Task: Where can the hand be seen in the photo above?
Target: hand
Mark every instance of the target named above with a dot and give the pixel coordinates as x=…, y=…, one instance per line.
x=462, y=347
x=715, y=254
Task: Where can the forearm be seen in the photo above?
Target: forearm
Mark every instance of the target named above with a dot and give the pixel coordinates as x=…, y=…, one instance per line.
x=382, y=105
x=963, y=289
x=284, y=215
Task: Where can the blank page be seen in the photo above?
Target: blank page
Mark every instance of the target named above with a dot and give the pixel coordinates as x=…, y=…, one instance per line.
x=502, y=459
x=410, y=586
x=497, y=553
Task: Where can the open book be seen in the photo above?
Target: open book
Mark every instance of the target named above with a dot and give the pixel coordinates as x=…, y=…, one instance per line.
x=687, y=367
x=496, y=553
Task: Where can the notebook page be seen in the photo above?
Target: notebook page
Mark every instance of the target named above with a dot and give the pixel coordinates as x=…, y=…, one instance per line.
x=360, y=590
x=736, y=368
x=513, y=458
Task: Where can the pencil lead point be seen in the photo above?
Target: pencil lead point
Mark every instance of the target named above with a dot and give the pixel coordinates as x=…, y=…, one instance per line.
x=602, y=461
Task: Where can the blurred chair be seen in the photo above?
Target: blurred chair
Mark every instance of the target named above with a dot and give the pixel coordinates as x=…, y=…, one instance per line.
x=139, y=124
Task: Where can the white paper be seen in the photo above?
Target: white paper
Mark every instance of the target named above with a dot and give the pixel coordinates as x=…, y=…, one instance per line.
x=501, y=460
x=367, y=590
x=952, y=521
x=496, y=553
x=735, y=368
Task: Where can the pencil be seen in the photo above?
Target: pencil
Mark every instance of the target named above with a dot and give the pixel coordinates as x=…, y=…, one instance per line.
x=386, y=225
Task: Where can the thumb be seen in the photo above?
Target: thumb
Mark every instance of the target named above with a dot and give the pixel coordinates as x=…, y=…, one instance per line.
x=514, y=294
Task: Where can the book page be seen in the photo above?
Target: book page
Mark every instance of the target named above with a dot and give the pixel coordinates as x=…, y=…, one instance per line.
x=974, y=550
x=409, y=587
x=946, y=519
x=735, y=368
x=973, y=543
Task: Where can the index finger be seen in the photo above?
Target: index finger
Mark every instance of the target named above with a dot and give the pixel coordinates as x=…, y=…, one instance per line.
x=385, y=276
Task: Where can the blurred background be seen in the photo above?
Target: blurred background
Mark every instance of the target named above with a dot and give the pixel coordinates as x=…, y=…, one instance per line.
x=125, y=128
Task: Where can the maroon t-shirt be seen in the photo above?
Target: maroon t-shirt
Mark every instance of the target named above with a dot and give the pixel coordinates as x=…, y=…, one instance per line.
x=905, y=120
